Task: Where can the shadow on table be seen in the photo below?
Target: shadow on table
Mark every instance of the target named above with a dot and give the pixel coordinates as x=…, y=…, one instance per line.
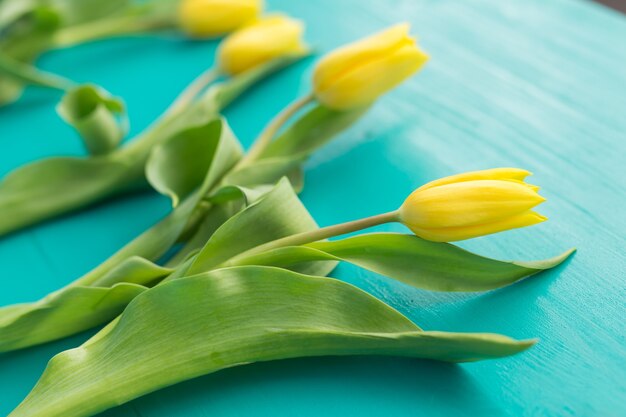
x=518, y=305
x=329, y=385
x=20, y=370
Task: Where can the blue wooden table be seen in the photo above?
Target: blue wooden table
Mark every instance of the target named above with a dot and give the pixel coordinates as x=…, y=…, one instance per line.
x=536, y=84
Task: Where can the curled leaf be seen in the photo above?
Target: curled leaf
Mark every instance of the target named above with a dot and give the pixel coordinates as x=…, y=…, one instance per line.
x=55, y=186
x=247, y=196
x=63, y=315
x=233, y=317
x=99, y=118
x=133, y=270
x=181, y=164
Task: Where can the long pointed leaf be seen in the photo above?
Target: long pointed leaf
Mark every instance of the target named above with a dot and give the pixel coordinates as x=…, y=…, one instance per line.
x=414, y=261
x=197, y=325
x=62, y=313
x=49, y=187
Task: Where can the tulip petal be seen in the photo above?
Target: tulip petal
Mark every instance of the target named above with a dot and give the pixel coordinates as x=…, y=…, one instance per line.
x=367, y=82
x=486, y=174
x=268, y=38
x=468, y=203
x=344, y=59
x=452, y=234
x=206, y=18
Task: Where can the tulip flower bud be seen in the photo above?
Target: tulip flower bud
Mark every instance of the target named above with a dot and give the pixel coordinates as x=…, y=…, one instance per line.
x=208, y=18
x=268, y=38
x=356, y=74
x=472, y=204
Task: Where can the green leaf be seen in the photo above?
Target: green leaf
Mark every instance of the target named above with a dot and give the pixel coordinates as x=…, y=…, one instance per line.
x=224, y=203
x=277, y=214
x=77, y=308
x=154, y=242
x=247, y=196
x=180, y=164
x=233, y=317
x=15, y=75
x=26, y=30
x=196, y=237
x=76, y=12
x=12, y=10
x=130, y=264
x=133, y=270
x=265, y=171
x=99, y=118
x=49, y=185
x=10, y=90
x=285, y=155
x=312, y=131
x=414, y=261
x=62, y=313
x=53, y=186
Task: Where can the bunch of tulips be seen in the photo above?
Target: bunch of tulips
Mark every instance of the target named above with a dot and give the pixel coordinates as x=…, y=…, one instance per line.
x=237, y=271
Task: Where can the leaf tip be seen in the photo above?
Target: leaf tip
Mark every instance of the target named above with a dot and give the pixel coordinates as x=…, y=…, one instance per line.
x=549, y=263
x=175, y=199
x=562, y=257
x=528, y=343
x=524, y=345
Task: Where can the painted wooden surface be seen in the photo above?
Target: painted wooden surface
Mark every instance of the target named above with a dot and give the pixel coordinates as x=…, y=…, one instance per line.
x=536, y=84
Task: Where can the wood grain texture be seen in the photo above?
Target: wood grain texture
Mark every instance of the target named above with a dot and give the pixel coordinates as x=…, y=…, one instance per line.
x=536, y=84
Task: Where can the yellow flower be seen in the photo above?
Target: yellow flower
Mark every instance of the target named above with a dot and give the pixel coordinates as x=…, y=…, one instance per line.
x=208, y=18
x=472, y=204
x=268, y=38
x=358, y=73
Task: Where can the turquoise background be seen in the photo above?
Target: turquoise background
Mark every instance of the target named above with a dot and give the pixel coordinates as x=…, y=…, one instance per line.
x=535, y=84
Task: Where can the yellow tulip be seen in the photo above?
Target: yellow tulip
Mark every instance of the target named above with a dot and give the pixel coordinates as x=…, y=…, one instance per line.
x=356, y=74
x=268, y=38
x=208, y=18
x=472, y=204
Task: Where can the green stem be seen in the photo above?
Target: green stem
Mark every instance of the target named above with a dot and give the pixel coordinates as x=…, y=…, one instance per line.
x=112, y=26
x=192, y=90
x=228, y=91
x=17, y=211
x=145, y=140
x=317, y=235
x=272, y=129
x=29, y=74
